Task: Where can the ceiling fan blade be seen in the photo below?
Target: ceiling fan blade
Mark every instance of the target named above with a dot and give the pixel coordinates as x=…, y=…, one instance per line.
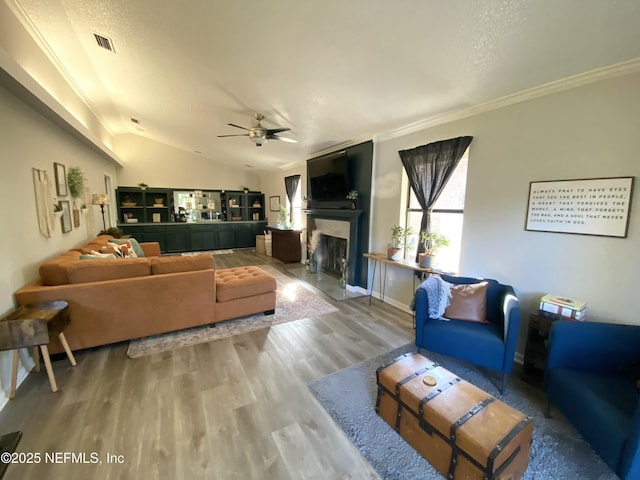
x=238, y=126
x=238, y=135
x=283, y=139
x=271, y=131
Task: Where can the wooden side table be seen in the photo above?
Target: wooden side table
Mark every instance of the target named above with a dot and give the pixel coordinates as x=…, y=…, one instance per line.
x=285, y=245
x=535, y=354
x=35, y=325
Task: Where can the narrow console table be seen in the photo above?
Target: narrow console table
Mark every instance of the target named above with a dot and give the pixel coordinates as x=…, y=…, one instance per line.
x=384, y=260
x=35, y=325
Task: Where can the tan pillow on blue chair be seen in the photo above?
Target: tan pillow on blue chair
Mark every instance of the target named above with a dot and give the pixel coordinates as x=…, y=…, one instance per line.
x=468, y=302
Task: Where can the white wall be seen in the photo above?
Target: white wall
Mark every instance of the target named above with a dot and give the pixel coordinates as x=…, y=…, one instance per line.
x=31, y=141
x=586, y=132
x=161, y=165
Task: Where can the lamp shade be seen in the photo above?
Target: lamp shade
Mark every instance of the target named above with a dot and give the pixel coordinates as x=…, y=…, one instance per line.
x=100, y=199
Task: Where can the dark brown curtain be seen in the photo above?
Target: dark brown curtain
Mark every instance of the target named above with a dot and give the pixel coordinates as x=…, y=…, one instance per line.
x=429, y=168
x=291, y=185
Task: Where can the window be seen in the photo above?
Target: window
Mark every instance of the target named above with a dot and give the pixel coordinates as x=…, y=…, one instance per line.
x=297, y=207
x=108, y=189
x=446, y=218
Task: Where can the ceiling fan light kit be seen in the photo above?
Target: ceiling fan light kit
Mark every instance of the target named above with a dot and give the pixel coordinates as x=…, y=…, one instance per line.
x=260, y=135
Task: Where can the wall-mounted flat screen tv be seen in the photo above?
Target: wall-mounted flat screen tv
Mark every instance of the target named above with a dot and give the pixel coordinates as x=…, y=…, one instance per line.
x=329, y=177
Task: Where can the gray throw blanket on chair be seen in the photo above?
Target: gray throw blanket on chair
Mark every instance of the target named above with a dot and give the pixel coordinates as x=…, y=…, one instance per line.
x=438, y=294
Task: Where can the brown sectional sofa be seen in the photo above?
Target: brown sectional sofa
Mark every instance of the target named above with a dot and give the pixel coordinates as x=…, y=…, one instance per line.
x=112, y=300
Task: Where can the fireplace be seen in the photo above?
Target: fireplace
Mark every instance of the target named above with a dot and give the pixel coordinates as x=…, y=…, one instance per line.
x=333, y=245
x=331, y=255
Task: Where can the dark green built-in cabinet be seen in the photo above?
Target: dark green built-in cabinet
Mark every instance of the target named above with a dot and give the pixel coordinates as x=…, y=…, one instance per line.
x=148, y=216
x=192, y=237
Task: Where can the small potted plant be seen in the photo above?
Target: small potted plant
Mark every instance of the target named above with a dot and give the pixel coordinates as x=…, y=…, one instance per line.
x=307, y=200
x=398, y=237
x=283, y=217
x=143, y=186
x=57, y=210
x=432, y=241
x=352, y=195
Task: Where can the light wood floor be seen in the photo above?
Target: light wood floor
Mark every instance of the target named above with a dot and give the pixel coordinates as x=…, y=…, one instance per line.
x=237, y=408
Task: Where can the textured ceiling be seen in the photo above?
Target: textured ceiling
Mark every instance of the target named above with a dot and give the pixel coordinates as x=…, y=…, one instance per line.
x=333, y=71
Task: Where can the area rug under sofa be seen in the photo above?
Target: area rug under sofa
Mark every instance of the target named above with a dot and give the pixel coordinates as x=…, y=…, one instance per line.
x=293, y=302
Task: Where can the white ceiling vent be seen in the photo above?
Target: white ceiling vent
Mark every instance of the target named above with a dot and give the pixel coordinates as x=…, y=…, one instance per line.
x=104, y=42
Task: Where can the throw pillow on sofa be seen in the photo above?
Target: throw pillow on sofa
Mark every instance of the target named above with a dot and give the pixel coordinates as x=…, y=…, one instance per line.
x=122, y=250
x=133, y=242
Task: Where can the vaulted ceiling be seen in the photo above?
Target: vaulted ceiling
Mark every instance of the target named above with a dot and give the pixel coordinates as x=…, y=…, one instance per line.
x=333, y=71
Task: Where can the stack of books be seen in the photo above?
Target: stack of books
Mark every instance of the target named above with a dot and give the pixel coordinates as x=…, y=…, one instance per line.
x=563, y=308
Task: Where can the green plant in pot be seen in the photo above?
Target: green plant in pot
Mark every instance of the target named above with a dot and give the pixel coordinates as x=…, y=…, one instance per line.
x=398, y=238
x=283, y=217
x=432, y=241
x=75, y=180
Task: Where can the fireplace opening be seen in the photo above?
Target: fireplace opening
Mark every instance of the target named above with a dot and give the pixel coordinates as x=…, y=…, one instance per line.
x=333, y=255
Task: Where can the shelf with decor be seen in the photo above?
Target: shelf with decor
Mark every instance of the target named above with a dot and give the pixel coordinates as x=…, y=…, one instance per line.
x=254, y=209
x=158, y=205
x=144, y=206
x=244, y=206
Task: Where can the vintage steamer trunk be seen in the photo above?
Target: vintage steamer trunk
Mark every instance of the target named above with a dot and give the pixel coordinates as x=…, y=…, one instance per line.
x=464, y=432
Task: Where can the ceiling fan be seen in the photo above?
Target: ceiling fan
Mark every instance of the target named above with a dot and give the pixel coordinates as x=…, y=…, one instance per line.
x=260, y=135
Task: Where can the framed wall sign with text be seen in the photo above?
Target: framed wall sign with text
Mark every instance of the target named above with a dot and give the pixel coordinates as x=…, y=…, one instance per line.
x=274, y=203
x=598, y=206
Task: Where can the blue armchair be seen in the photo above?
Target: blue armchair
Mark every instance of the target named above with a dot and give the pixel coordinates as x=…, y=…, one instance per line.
x=491, y=345
x=590, y=375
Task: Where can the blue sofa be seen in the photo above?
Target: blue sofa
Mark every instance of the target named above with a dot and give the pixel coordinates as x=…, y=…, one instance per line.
x=490, y=345
x=590, y=376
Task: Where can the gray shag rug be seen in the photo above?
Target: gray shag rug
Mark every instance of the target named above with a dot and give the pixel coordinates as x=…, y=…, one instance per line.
x=349, y=395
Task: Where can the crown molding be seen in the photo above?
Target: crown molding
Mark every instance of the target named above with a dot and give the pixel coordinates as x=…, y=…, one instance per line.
x=568, y=83
x=18, y=81
x=43, y=45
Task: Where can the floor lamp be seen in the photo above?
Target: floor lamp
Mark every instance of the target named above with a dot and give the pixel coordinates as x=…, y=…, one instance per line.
x=101, y=199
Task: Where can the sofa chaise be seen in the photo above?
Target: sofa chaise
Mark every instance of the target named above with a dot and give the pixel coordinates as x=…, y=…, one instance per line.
x=112, y=300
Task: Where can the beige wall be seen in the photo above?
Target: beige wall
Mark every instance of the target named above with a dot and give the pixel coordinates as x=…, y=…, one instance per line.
x=161, y=165
x=31, y=141
x=585, y=132
x=273, y=184
x=20, y=55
